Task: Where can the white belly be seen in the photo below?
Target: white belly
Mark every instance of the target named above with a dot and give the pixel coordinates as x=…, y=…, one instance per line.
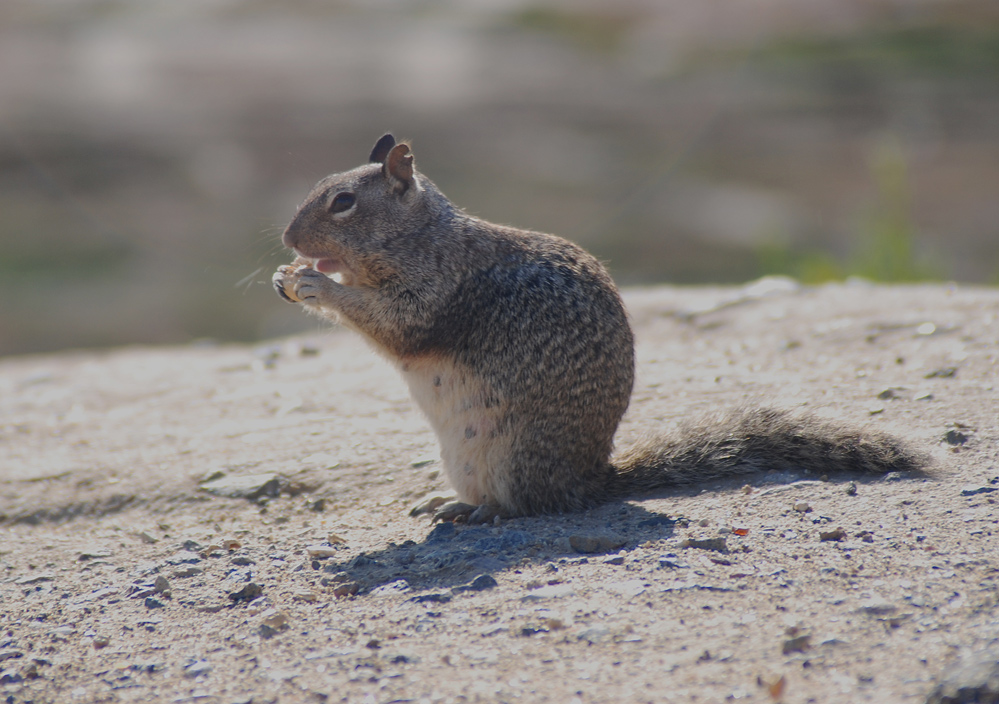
x=465, y=415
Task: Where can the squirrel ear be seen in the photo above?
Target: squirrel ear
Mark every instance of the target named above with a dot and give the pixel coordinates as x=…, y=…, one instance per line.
x=381, y=149
x=398, y=167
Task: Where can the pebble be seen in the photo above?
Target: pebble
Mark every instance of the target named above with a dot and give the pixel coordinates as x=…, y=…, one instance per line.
x=835, y=534
x=249, y=486
x=972, y=490
x=184, y=557
x=346, y=589
x=942, y=373
x=35, y=578
x=955, y=437
x=973, y=679
x=480, y=583
x=153, y=603
x=798, y=644
x=397, y=587
x=595, y=543
x=273, y=618
x=10, y=654
x=431, y=599
x=718, y=544
x=876, y=607
x=197, y=669
x=802, y=507
x=320, y=552
x=249, y=592
x=10, y=677
x=594, y=635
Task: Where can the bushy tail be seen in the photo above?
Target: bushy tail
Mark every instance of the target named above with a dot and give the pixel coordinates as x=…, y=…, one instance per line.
x=751, y=440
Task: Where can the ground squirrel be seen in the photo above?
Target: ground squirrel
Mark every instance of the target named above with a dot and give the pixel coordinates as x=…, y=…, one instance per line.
x=517, y=347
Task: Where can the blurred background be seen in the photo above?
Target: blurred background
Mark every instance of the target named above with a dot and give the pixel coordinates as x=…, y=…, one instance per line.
x=150, y=152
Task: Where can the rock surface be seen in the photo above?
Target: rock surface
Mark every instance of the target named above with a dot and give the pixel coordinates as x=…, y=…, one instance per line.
x=123, y=580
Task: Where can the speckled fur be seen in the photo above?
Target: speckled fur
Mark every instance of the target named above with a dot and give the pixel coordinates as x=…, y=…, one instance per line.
x=516, y=346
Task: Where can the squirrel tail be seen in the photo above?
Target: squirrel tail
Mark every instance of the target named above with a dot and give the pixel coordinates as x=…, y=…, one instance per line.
x=750, y=440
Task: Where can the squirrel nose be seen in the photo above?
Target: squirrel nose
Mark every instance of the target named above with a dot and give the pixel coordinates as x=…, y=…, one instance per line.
x=290, y=238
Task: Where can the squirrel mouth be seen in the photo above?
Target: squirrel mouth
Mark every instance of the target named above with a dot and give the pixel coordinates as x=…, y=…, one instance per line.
x=328, y=266
x=334, y=268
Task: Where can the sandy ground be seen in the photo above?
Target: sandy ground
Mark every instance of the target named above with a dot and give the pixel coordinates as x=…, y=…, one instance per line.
x=126, y=575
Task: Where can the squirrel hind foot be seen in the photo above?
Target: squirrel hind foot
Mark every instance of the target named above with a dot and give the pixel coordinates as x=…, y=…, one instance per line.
x=460, y=512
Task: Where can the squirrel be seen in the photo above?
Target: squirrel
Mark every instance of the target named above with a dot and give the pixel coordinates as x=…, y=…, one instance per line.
x=517, y=347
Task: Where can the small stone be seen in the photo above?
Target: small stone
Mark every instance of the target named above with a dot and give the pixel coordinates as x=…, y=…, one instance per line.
x=432, y=599
x=974, y=678
x=153, y=603
x=590, y=544
x=717, y=544
x=94, y=554
x=161, y=585
x=346, y=589
x=305, y=595
x=614, y=560
x=272, y=618
x=197, y=669
x=35, y=578
x=972, y=490
x=942, y=373
x=835, y=534
x=851, y=489
x=189, y=571
x=397, y=587
x=802, y=507
x=249, y=592
x=878, y=608
x=798, y=644
x=10, y=677
x=101, y=642
x=147, y=538
x=231, y=544
x=10, y=654
x=482, y=582
x=320, y=552
x=250, y=486
x=594, y=635
x=955, y=437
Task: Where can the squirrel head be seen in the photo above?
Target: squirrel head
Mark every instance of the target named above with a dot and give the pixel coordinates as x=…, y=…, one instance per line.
x=357, y=222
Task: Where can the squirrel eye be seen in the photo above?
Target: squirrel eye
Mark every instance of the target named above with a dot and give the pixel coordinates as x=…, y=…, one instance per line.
x=342, y=202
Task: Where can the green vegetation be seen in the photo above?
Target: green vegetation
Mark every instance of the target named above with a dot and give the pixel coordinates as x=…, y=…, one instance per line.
x=601, y=31
x=885, y=249
x=935, y=49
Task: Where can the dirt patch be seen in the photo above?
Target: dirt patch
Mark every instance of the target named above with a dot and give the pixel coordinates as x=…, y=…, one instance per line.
x=132, y=570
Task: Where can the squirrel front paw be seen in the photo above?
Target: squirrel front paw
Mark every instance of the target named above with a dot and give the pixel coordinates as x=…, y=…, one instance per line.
x=302, y=284
x=283, y=281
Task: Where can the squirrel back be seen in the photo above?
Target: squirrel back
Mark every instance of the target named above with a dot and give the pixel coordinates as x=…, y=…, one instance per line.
x=517, y=347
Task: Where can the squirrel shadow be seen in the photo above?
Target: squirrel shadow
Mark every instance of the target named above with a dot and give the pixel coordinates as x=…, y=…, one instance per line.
x=454, y=558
